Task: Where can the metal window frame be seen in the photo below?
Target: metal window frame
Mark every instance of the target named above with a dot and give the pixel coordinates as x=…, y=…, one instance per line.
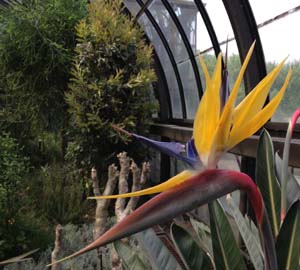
x=187, y=45
x=170, y=54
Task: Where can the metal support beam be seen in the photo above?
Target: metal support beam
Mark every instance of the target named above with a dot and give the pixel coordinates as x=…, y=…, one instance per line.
x=170, y=54
x=186, y=44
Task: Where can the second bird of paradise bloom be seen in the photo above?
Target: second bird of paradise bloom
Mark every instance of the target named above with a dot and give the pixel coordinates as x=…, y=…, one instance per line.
x=216, y=130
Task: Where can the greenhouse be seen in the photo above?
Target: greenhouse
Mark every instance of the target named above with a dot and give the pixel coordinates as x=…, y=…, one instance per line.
x=149, y=134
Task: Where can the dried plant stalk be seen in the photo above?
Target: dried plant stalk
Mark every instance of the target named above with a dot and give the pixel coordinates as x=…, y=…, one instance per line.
x=57, y=247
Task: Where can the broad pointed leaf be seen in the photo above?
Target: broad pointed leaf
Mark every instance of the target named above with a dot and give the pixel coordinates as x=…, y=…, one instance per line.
x=288, y=241
x=159, y=255
x=130, y=257
x=198, y=190
x=250, y=235
x=203, y=232
x=266, y=180
x=226, y=252
x=193, y=256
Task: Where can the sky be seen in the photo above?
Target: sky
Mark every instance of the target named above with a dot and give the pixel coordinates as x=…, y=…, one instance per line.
x=280, y=39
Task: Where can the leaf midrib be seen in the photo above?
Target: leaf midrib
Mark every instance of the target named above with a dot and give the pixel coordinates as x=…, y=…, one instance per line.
x=271, y=189
x=292, y=239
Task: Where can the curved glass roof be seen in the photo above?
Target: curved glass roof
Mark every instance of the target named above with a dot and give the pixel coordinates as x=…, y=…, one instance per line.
x=181, y=29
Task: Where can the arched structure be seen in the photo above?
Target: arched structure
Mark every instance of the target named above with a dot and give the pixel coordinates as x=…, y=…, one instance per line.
x=173, y=27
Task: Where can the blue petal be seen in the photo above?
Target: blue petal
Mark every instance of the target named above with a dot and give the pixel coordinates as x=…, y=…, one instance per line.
x=172, y=149
x=191, y=150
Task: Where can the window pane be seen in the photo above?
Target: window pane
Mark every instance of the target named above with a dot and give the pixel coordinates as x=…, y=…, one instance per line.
x=221, y=24
x=163, y=56
x=169, y=29
x=223, y=29
x=190, y=88
x=186, y=12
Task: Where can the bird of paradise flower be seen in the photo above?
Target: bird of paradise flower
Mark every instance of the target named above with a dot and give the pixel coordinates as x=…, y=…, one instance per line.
x=216, y=130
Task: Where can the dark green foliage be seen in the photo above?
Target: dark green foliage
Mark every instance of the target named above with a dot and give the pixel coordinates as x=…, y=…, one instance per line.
x=194, y=256
x=288, y=240
x=111, y=84
x=20, y=228
x=266, y=180
x=63, y=194
x=37, y=41
x=226, y=251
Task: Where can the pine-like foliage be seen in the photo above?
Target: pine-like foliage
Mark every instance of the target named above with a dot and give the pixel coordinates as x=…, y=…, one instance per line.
x=111, y=83
x=37, y=41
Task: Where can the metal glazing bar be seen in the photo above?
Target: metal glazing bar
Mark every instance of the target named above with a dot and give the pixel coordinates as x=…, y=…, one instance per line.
x=186, y=44
x=142, y=10
x=170, y=54
x=209, y=26
x=162, y=86
x=245, y=30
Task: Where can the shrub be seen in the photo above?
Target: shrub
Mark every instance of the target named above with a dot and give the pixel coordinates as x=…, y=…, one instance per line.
x=19, y=226
x=111, y=84
x=37, y=43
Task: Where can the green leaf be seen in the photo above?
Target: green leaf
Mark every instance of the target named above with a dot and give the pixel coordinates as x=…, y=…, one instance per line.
x=293, y=186
x=288, y=241
x=193, y=256
x=226, y=252
x=250, y=235
x=266, y=180
x=130, y=257
x=204, y=235
x=159, y=255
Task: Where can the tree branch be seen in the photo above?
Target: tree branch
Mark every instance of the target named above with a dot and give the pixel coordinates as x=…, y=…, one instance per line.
x=124, y=161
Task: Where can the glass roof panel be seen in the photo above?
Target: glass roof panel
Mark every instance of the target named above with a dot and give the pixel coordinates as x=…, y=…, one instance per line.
x=178, y=49
x=163, y=56
x=132, y=6
x=166, y=65
x=223, y=29
x=162, y=16
x=221, y=24
x=186, y=12
x=190, y=88
x=203, y=41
